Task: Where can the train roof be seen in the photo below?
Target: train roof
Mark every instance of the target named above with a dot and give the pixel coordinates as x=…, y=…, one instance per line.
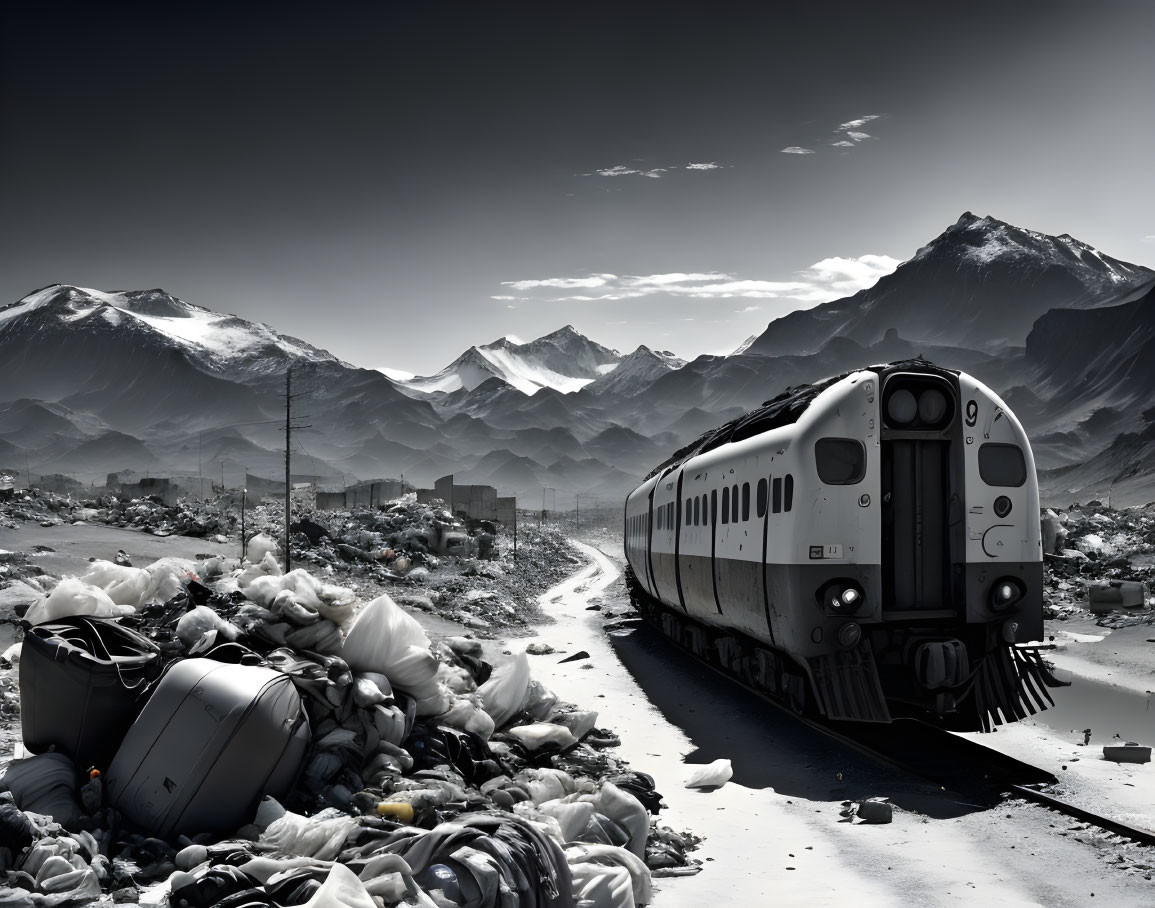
x=783, y=410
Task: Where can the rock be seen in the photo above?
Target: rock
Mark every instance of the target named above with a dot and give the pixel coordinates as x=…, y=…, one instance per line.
x=539, y=649
x=875, y=810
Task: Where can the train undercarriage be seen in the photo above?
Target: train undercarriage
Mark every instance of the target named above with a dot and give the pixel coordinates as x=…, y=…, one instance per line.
x=1008, y=683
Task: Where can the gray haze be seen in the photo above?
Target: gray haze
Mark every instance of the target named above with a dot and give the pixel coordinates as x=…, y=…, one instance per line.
x=396, y=184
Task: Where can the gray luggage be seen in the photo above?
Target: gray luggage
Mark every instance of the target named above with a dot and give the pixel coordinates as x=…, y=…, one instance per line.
x=210, y=742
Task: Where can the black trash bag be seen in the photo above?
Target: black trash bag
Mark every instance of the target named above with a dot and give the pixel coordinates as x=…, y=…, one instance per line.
x=434, y=745
x=641, y=786
x=82, y=684
x=212, y=884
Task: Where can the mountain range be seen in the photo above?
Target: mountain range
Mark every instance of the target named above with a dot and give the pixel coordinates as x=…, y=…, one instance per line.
x=93, y=382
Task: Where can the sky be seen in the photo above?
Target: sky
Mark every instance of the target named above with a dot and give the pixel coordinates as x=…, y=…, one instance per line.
x=396, y=182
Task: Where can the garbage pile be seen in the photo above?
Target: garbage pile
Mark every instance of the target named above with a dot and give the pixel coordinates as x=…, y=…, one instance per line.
x=213, y=519
x=432, y=560
x=1100, y=561
x=251, y=737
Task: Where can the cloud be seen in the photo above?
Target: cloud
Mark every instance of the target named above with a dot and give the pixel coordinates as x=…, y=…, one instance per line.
x=1150, y=238
x=749, y=309
x=562, y=283
x=620, y=170
x=856, y=124
x=794, y=149
x=858, y=136
x=843, y=144
x=502, y=299
x=825, y=280
x=653, y=173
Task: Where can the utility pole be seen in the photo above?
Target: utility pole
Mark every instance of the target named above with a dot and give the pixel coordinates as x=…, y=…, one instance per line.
x=288, y=487
x=288, y=447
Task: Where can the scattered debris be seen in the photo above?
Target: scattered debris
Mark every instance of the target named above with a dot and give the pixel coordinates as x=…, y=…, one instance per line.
x=425, y=770
x=1127, y=753
x=711, y=776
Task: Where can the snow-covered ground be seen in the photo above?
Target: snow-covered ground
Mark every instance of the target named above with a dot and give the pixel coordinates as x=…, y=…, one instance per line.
x=774, y=833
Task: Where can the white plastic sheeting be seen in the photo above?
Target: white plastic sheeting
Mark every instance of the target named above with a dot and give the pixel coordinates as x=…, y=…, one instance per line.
x=712, y=775
x=75, y=597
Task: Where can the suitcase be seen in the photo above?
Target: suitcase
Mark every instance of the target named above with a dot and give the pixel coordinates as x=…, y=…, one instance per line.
x=210, y=742
x=82, y=683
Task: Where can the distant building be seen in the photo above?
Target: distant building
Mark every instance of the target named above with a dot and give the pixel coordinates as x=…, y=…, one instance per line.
x=59, y=483
x=148, y=487
x=362, y=495
x=479, y=502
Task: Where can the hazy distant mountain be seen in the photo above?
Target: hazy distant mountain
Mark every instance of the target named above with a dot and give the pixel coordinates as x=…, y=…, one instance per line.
x=94, y=382
x=637, y=371
x=981, y=284
x=564, y=360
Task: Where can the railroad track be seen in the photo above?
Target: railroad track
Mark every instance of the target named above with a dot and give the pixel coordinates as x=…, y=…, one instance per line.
x=957, y=764
x=966, y=767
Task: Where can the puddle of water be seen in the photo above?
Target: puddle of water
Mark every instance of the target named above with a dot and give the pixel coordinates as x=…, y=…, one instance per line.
x=1112, y=713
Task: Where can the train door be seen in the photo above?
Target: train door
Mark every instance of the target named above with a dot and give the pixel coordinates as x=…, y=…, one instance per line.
x=916, y=492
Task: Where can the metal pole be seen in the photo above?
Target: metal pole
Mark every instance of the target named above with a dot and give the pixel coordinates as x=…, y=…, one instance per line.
x=288, y=487
x=244, y=504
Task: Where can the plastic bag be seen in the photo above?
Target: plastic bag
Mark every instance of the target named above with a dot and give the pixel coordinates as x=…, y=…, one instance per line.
x=504, y=693
x=309, y=836
x=608, y=855
x=169, y=576
x=75, y=597
x=599, y=886
x=341, y=889
x=628, y=812
x=542, y=734
x=194, y=624
x=713, y=774
x=124, y=585
x=572, y=817
x=384, y=638
x=259, y=546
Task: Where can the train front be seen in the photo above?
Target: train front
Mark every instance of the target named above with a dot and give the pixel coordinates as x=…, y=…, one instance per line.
x=961, y=555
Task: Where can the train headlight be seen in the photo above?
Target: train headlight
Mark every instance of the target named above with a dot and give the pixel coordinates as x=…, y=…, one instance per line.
x=1005, y=592
x=902, y=408
x=841, y=597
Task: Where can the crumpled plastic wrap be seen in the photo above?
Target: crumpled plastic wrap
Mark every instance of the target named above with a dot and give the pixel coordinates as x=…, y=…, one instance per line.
x=72, y=597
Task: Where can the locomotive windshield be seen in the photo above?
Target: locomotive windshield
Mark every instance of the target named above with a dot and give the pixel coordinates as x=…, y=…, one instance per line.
x=1002, y=465
x=840, y=461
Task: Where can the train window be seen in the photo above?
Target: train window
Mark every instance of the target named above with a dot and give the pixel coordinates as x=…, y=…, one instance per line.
x=688, y=515
x=670, y=515
x=788, y=493
x=705, y=512
x=734, y=503
x=745, y=501
x=725, y=504
x=777, y=494
x=714, y=506
x=697, y=511
x=761, y=497
x=840, y=461
x=1002, y=465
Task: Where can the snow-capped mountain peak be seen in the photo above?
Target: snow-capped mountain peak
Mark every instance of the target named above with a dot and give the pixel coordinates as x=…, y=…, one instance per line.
x=212, y=337
x=564, y=360
x=982, y=241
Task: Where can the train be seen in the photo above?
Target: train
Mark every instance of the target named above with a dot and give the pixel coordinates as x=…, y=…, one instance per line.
x=860, y=549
